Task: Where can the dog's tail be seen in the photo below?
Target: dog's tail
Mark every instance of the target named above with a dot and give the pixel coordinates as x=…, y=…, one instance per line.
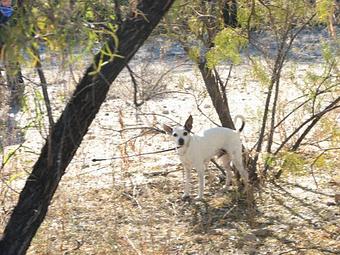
x=243, y=122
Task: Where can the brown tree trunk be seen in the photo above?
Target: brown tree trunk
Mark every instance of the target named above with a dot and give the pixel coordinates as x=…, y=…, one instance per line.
x=229, y=11
x=73, y=124
x=221, y=106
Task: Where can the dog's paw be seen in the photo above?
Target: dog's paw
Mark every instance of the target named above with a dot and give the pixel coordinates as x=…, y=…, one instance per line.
x=186, y=197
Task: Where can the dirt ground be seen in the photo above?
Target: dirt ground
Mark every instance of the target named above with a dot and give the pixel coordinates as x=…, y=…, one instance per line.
x=290, y=217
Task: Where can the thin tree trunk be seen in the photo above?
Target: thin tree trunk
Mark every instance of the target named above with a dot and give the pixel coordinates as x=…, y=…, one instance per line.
x=274, y=78
x=230, y=13
x=221, y=107
x=43, y=84
x=73, y=124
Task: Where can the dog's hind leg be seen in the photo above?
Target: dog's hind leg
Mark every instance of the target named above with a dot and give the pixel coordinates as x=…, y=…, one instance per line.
x=237, y=161
x=226, y=165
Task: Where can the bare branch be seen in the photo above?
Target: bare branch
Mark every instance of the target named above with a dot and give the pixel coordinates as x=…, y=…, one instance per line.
x=317, y=93
x=135, y=88
x=316, y=118
x=317, y=158
x=309, y=128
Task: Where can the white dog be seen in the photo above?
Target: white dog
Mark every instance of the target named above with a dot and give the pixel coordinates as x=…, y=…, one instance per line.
x=195, y=151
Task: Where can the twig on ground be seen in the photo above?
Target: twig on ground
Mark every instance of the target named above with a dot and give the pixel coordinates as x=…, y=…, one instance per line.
x=132, y=245
x=160, y=173
x=229, y=211
x=309, y=248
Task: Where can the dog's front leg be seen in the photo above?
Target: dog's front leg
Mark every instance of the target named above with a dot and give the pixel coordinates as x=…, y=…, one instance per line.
x=187, y=181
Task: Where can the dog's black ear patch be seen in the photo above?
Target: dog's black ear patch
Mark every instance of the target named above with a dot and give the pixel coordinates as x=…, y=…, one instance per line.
x=167, y=129
x=188, y=123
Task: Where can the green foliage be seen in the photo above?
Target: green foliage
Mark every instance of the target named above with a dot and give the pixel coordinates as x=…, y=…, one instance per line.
x=293, y=163
x=43, y=24
x=25, y=104
x=324, y=8
x=227, y=45
x=8, y=156
x=287, y=162
x=275, y=15
x=196, y=26
x=321, y=162
x=15, y=176
x=244, y=11
x=332, y=130
x=329, y=53
x=259, y=72
x=200, y=27
x=194, y=54
x=270, y=160
x=38, y=110
x=335, y=136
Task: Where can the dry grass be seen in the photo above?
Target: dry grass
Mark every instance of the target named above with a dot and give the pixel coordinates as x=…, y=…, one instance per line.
x=149, y=218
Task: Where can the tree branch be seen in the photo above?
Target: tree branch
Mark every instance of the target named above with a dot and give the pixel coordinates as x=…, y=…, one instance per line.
x=135, y=88
x=317, y=116
x=314, y=122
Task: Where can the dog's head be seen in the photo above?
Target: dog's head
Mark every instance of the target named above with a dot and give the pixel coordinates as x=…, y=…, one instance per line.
x=181, y=135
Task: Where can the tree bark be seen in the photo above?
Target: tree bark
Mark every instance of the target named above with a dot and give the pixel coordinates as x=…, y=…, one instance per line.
x=67, y=134
x=220, y=105
x=229, y=12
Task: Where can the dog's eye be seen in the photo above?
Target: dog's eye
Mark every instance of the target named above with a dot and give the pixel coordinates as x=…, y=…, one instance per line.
x=175, y=135
x=185, y=133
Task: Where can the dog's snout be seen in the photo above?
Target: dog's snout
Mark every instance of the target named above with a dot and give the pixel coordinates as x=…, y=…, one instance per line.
x=180, y=141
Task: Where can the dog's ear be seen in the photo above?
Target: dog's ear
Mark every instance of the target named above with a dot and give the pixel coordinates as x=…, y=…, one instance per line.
x=188, y=123
x=167, y=129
